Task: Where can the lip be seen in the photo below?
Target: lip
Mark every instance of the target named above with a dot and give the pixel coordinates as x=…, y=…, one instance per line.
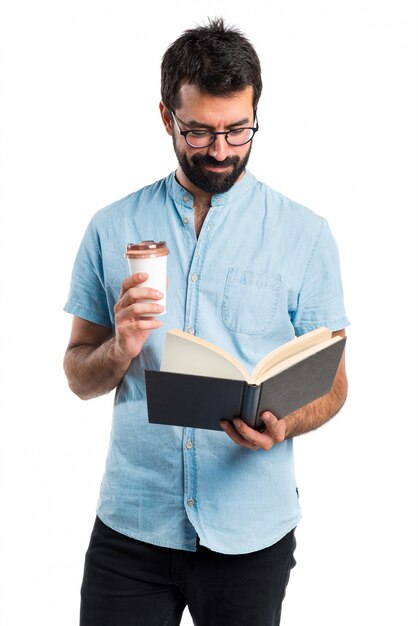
x=212, y=168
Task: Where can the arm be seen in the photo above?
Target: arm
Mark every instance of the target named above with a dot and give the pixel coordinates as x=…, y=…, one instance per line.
x=96, y=359
x=301, y=421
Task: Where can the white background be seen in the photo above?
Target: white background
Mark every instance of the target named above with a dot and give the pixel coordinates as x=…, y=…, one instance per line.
x=80, y=128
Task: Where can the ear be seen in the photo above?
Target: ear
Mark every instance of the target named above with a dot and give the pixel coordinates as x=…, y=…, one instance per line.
x=167, y=119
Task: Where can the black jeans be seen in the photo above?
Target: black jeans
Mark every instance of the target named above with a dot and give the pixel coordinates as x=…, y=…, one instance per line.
x=131, y=583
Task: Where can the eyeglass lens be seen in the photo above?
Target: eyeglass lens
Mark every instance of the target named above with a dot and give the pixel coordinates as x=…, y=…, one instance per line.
x=238, y=137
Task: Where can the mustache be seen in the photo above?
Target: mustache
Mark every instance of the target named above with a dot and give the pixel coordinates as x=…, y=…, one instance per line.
x=205, y=159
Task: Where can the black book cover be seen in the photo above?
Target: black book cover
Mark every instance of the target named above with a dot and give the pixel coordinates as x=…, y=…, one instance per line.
x=202, y=401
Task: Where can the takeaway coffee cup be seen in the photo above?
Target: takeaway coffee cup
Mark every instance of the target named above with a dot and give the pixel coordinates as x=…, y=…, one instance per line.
x=150, y=257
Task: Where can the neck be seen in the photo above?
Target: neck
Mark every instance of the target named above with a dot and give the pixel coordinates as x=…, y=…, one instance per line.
x=201, y=198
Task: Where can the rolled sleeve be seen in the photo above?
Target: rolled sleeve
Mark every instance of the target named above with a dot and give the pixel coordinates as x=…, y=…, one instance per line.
x=87, y=296
x=321, y=298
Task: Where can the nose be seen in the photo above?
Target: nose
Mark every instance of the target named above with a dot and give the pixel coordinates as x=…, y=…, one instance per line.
x=219, y=148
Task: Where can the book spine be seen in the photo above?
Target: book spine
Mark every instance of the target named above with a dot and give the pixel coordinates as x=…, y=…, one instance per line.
x=250, y=401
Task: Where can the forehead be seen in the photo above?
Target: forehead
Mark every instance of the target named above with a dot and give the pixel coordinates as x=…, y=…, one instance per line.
x=209, y=109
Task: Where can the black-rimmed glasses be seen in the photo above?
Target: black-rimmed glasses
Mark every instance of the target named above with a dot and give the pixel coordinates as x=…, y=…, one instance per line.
x=199, y=138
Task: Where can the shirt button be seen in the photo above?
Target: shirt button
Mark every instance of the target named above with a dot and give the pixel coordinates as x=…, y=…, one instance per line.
x=189, y=445
x=195, y=277
x=186, y=198
x=190, y=502
x=185, y=220
x=190, y=330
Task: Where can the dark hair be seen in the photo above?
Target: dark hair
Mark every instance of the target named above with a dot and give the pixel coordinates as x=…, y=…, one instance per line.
x=219, y=60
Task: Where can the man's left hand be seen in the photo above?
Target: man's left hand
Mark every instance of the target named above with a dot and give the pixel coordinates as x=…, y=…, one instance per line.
x=244, y=435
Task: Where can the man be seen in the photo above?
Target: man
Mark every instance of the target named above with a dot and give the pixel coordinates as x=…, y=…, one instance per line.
x=188, y=516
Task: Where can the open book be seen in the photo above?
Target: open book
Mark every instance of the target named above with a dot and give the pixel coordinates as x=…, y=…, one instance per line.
x=199, y=383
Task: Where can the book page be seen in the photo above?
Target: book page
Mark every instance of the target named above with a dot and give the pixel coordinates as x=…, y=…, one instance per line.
x=187, y=354
x=287, y=350
x=295, y=358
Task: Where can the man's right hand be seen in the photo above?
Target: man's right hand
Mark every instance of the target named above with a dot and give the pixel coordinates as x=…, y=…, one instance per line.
x=132, y=329
x=96, y=359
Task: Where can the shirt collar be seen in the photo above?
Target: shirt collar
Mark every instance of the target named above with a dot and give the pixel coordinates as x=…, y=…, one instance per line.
x=182, y=196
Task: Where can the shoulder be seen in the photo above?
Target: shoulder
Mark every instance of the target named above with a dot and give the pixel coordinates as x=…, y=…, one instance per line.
x=128, y=206
x=290, y=214
x=289, y=206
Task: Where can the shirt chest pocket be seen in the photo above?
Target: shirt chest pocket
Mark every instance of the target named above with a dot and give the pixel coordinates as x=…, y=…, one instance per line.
x=250, y=301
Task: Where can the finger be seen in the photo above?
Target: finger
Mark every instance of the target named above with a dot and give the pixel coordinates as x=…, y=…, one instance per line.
x=136, y=295
x=146, y=323
x=133, y=281
x=137, y=311
x=235, y=436
x=127, y=326
x=145, y=308
x=275, y=427
x=250, y=434
x=264, y=440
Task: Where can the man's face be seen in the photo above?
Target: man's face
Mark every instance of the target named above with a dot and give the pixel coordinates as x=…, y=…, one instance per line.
x=216, y=168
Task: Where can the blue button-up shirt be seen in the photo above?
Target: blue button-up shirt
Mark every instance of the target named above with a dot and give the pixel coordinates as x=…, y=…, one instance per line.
x=262, y=270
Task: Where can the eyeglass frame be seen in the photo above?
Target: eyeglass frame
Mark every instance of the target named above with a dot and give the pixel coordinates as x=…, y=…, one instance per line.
x=184, y=133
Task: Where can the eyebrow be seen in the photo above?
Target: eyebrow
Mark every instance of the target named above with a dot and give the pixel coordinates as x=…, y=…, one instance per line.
x=195, y=124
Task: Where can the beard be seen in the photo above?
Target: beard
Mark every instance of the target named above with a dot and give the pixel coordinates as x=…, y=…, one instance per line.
x=211, y=182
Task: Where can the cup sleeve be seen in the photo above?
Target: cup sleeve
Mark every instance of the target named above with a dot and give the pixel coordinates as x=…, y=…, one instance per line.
x=321, y=299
